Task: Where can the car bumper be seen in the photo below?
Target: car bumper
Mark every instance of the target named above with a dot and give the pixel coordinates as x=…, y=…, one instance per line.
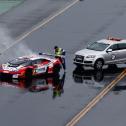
x=10, y=74
x=85, y=63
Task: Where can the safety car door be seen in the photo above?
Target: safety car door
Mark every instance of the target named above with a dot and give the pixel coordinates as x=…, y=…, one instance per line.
x=122, y=52
x=112, y=56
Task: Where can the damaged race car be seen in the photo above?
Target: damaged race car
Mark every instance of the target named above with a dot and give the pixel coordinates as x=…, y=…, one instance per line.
x=26, y=67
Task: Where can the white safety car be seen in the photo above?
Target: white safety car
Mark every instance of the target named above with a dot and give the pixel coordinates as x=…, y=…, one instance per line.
x=105, y=51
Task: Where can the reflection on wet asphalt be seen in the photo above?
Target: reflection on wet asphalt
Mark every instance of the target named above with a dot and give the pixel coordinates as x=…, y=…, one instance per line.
x=96, y=79
x=112, y=105
x=91, y=78
x=38, y=84
x=40, y=93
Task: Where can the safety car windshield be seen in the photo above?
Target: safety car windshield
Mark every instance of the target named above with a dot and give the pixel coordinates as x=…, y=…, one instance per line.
x=97, y=46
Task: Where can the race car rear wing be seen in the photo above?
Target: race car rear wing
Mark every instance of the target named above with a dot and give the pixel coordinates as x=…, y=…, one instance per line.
x=47, y=54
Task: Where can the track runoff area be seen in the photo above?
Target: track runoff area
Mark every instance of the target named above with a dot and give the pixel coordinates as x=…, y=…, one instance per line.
x=6, y=5
x=41, y=24
x=96, y=99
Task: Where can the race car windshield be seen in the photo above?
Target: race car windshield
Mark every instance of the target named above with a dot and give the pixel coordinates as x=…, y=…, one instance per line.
x=18, y=62
x=98, y=46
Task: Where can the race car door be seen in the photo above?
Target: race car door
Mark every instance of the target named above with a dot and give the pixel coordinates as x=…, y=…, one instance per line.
x=39, y=68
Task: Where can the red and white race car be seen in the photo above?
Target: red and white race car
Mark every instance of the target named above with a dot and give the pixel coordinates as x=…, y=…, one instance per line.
x=28, y=66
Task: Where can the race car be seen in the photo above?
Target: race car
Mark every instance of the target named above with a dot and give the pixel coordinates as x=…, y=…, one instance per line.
x=26, y=67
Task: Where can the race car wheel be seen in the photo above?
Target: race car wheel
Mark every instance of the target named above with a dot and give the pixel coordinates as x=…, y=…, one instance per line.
x=1, y=75
x=98, y=64
x=56, y=69
x=28, y=74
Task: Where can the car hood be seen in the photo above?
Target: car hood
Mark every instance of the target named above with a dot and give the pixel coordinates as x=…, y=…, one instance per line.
x=86, y=52
x=7, y=67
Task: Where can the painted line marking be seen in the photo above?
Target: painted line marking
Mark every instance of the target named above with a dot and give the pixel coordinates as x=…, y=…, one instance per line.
x=95, y=100
x=41, y=24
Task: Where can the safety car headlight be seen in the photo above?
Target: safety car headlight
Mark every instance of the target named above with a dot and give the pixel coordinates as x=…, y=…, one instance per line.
x=90, y=56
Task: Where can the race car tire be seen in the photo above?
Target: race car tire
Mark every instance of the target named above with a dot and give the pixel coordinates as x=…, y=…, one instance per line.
x=56, y=69
x=1, y=75
x=28, y=74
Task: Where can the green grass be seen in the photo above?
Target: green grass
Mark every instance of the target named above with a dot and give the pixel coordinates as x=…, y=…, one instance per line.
x=6, y=5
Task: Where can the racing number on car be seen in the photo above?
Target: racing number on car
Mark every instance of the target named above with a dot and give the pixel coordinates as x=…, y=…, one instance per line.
x=40, y=69
x=113, y=57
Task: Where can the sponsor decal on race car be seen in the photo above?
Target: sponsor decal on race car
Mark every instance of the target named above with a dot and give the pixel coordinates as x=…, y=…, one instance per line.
x=40, y=69
x=15, y=76
x=5, y=71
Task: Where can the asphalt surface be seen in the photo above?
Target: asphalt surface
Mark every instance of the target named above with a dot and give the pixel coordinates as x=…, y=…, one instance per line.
x=85, y=22
x=110, y=111
x=7, y=5
x=28, y=13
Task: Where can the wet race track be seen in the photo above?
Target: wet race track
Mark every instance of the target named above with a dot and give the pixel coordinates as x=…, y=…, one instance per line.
x=55, y=100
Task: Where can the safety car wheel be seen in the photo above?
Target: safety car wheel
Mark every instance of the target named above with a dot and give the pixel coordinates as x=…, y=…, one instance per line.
x=98, y=64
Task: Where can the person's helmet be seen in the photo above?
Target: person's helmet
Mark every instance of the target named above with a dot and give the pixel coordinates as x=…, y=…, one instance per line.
x=55, y=47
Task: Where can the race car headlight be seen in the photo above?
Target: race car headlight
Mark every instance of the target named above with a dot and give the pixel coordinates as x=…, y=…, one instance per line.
x=90, y=56
x=50, y=65
x=2, y=66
